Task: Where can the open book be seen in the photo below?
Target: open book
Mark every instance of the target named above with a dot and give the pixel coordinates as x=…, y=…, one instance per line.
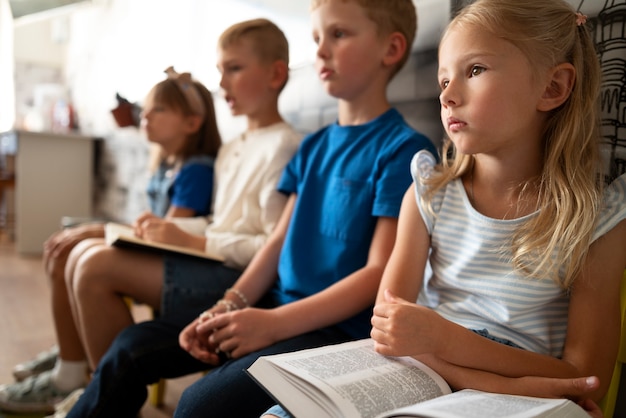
x=352, y=380
x=123, y=236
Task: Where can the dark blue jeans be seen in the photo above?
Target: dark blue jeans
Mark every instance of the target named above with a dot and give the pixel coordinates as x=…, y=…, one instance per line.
x=145, y=352
x=148, y=351
x=228, y=391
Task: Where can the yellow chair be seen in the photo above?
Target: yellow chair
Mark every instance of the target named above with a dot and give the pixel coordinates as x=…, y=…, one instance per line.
x=156, y=393
x=608, y=403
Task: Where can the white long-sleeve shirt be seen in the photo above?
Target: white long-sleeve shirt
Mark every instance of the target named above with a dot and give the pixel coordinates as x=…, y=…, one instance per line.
x=246, y=204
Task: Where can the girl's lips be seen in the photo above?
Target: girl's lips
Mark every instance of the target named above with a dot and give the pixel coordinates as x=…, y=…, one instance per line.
x=455, y=124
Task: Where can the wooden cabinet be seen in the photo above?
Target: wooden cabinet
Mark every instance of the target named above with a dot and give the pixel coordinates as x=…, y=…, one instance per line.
x=54, y=177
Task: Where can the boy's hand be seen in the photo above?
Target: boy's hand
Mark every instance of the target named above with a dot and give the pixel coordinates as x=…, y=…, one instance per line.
x=197, y=343
x=241, y=332
x=402, y=328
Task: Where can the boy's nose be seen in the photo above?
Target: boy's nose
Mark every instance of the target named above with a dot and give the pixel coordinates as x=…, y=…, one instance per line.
x=322, y=51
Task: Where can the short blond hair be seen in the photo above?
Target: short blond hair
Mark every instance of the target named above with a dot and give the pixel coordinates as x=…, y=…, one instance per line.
x=389, y=16
x=268, y=40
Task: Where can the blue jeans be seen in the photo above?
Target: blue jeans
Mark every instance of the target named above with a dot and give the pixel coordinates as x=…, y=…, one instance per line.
x=148, y=351
x=228, y=391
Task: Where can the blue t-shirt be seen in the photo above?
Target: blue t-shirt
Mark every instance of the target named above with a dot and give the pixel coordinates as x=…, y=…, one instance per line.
x=345, y=177
x=191, y=187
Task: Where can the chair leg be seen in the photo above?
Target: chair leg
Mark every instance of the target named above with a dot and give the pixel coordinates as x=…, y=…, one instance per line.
x=156, y=393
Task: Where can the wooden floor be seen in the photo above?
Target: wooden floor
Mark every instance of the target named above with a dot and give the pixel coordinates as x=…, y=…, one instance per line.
x=26, y=324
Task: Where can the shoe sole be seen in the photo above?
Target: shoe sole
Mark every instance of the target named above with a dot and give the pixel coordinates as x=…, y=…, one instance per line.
x=29, y=408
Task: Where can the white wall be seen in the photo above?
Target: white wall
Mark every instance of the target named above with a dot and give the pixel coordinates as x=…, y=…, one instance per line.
x=108, y=46
x=124, y=46
x=36, y=42
x=7, y=98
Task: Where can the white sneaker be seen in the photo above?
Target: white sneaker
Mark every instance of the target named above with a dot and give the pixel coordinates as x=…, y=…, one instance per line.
x=35, y=394
x=44, y=361
x=65, y=406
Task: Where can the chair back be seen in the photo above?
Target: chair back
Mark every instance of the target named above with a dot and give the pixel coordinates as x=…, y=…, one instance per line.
x=608, y=403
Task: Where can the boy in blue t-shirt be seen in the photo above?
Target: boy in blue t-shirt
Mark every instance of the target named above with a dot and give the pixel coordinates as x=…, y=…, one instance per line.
x=315, y=280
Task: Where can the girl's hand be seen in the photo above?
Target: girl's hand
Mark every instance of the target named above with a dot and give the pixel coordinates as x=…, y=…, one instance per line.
x=402, y=328
x=145, y=216
x=241, y=332
x=592, y=408
x=197, y=343
x=577, y=389
x=58, y=246
x=160, y=230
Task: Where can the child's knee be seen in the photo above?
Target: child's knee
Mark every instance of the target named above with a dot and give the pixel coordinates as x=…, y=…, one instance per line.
x=88, y=270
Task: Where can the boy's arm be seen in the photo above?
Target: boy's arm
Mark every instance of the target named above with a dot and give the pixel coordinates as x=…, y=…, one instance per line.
x=254, y=282
x=345, y=298
x=244, y=331
x=262, y=271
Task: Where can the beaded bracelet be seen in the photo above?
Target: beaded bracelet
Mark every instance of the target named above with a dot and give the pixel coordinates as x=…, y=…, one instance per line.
x=206, y=315
x=240, y=295
x=229, y=304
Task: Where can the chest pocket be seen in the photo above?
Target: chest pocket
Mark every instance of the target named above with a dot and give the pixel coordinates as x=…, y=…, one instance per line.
x=347, y=208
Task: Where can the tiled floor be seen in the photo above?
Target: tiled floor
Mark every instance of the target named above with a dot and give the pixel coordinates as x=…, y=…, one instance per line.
x=26, y=324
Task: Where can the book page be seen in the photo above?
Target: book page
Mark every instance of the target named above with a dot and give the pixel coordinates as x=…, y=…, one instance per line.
x=114, y=230
x=124, y=236
x=475, y=404
x=360, y=381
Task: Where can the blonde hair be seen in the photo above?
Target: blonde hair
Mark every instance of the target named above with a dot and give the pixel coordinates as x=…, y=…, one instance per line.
x=206, y=140
x=268, y=40
x=556, y=240
x=389, y=16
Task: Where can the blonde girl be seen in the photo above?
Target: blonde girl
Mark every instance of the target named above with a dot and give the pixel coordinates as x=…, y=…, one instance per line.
x=511, y=246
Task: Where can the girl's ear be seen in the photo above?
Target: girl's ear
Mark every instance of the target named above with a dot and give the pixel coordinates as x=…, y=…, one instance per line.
x=280, y=71
x=193, y=123
x=396, y=47
x=559, y=87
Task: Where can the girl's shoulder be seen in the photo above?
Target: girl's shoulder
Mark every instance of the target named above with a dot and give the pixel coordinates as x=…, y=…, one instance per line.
x=422, y=166
x=614, y=206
